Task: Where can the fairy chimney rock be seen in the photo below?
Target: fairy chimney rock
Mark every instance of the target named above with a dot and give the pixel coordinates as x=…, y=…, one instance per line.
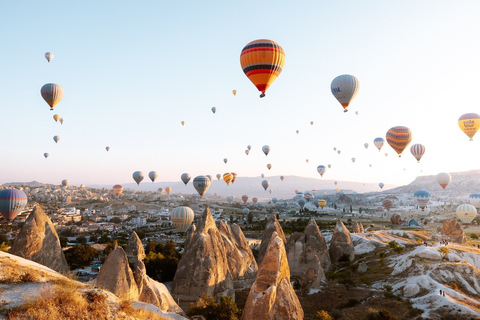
x=134, y=250
x=341, y=244
x=272, y=226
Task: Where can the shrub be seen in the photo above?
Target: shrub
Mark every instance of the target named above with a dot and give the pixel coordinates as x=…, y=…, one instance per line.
x=454, y=286
x=383, y=314
x=474, y=236
x=388, y=291
x=366, y=280
x=323, y=315
x=443, y=250
x=350, y=303
x=395, y=246
x=206, y=306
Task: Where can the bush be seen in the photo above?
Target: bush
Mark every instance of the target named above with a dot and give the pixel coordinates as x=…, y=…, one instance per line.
x=80, y=256
x=388, y=291
x=206, y=306
x=474, y=236
x=350, y=303
x=323, y=315
x=383, y=314
x=395, y=246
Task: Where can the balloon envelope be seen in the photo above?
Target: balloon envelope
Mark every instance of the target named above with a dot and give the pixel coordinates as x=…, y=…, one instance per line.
x=168, y=190
x=56, y=139
x=186, y=177
x=234, y=92
x=444, y=179
x=321, y=170
x=244, y=198
x=254, y=200
x=153, y=175
x=117, y=189
x=378, y=142
x=107, y=148
x=214, y=109
x=396, y=219
x=381, y=185
x=218, y=176
x=466, y=213
x=182, y=218
x=46, y=155
x=269, y=166
x=387, y=204
x=138, y=177
x=266, y=149
x=65, y=182
x=265, y=184
x=469, y=123
x=52, y=93
x=322, y=203
x=474, y=200
x=49, y=56
x=302, y=202
x=12, y=202
x=225, y=160
x=227, y=177
x=417, y=150
x=399, y=138
x=56, y=117
x=422, y=197
x=344, y=88
x=201, y=184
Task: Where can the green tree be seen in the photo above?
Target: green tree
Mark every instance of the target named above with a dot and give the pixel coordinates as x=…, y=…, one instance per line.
x=250, y=217
x=225, y=310
x=351, y=209
x=231, y=219
x=360, y=210
x=80, y=256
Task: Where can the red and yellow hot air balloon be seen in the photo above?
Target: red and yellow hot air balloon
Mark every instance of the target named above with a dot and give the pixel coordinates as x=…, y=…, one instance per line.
x=117, y=189
x=469, y=123
x=262, y=62
x=399, y=138
x=168, y=190
x=234, y=177
x=227, y=177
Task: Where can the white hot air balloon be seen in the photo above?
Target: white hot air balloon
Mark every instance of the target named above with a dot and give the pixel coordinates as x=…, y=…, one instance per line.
x=353, y=160
x=265, y=184
x=344, y=88
x=466, y=213
x=365, y=145
x=444, y=179
x=266, y=149
x=49, y=56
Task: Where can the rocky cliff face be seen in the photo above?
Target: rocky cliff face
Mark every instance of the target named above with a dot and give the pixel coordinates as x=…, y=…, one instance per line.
x=308, y=255
x=272, y=295
x=453, y=231
x=341, y=243
x=272, y=226
x=203, y=269
x=241, y=262
x=38, y=241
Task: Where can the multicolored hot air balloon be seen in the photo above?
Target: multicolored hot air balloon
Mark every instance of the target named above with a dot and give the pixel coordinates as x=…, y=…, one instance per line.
x=56, y=117
x=107, y=148
x=186, y=177
x=52, y=94
x=269, y=166
x=12, y=202
x=387, y=204
x=160, y=190
x=469, y=123
x=65, y=182
x=466, y=213
x=244, y=198
x=417, y=150
x=201, y=184
x=168, y=190
x=182, y=218
x=138, y=177
x=399, y=138
x=396, y=219
x=46, y=155
x=282, y=178
x=266, y=149
x=265, y=184
x=321, y=170
x=214, y=109
x=322, y=203
x=209, y=176
x=262, y=62
x=227, y=177
x=49, y=56
x=117, y=189
x=422, y=197
x=444, y=179
x=378, y=142
x=153, y=175
x=56, y=139
x=234, y=177
x=344, y=88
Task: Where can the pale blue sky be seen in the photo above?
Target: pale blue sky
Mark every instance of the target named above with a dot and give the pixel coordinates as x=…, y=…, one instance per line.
x=132, y=71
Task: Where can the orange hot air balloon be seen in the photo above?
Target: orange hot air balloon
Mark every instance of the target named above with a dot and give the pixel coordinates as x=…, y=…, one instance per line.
x=183, y=123
x=399, y=138
x=117, y=190
x=168, y=190
x=262, y=62
x=227, y=177
x=269, y=166
x=296, y=191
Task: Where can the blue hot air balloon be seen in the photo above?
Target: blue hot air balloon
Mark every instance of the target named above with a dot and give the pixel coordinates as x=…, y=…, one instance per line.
x=12, y=202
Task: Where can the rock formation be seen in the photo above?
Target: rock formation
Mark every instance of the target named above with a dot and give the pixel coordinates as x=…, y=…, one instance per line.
x=308, y=256
x=341, y=243
x=272, y=226
x=134, y=250
x=272, y=295
x=38, y=241
x=453, y=231
x=117, y=277
x=203, y=268
x=358, y=227
x=241, y=262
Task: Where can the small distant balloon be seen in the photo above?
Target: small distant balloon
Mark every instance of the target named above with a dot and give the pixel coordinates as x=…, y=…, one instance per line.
x=344, y=88
x=265, y=184
x=339, y=151
x=282, y=178
x=329, y=166
x=56, y=139
x=234, y=92
x=46, y=155
x=218, y=176
x=249, y=147
x=201, y=184
x=262, y=175
x=444, y=179
x=378, y=142
x=269, y=166
x=298, y=131
x=168, y=190
x=381, y=185
x=244, y=198
x=183, y=123
x=107, y=148
x=254, y=200
x=186, y=177
x=247, y=152
x=306, y=160
x=399, y=138
x=469, y=123
x=61, y=120
x=117, y=189
x=65, y=182
x=56, y=117
x=353, y=160
x=52, y=93
x=321, y=170
x=138, y=177
x=49, y=56
x=234, y=177
x=227, y=177
x=214, y=109
x=365, y=145
x=266, y=149
x=225, y=160
x=417, y=150
x=153, y=175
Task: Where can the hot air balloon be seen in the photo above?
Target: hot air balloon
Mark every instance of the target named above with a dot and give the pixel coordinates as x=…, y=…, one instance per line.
x=337, y=190
x=422, y=197
x=365, y=145
x=244, y=198
x=262, y=62
x=474, y=200
x=182, y=218
x=183, y=123
x=282, y=178
x=269, y=166
x=469, y=124
x=296, y=191
x=52, y=94
x=329, y=166
x=254, y=200
x=311, y=122
x=230, y=199
x=262, y=175
x=381, y=185
x=247, y=152
x=234, y=178
x=225, y=160
x=266, y=149
x=56, y=139
x=117, y=189
x=227, y=177
x=160, y=190
x=356, y=112
x=218, y=176
x=322, y=203
x=82, y=186
x=344, y=88
x=297, y=131
x=417, y=150
x=65, y=182
x=209, y=177
x=306, y=160
x=12, y=202
x=265, y=184
x=214, y=109
x=387, y=204
x=353, y=160
x=370, y=165
x=46, y=155
x=399, y=138
x=168, y=190
x=334, y=149
x=339, y=151
x=301, y=202
x=234, y=92
x=466, y=213
x=249, y=147
x=271, y=191
x=335, y=182
x=138, y=177
x=153, y=175
x=49, y=56
x=396, y=219
x=386, y=154
x=321, y=170
x=245, y=211
x=56, y=117
x=186, y=177
x=61, y=120
x=378, y=142
x=444, y=179
x=274, y=200
x=201, y=184
x=107, y=148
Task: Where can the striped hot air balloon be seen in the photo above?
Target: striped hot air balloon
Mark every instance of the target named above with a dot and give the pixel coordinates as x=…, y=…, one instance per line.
x=344, y=88
x=417, y=150
x=262, y=62
x=469, y=123
x=396, y=219
x=399, y=138
x=201, y=184
x=52, y=93
x=387, y=204
x=227, y=177
x=474, y=200
x=182, y=218
x=422, y=197
x=466, y=213
x=168, y=190
x=12, y=202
